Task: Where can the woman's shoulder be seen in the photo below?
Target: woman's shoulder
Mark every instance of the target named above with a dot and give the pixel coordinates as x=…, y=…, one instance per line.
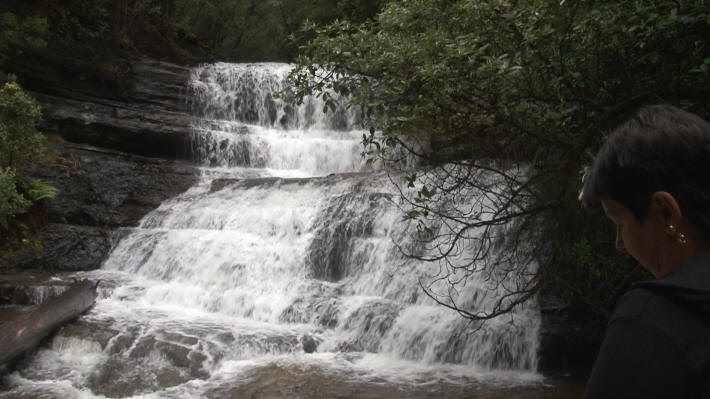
x=685, y=290
x=635, y=304
x=663, y=308
x=681, y=317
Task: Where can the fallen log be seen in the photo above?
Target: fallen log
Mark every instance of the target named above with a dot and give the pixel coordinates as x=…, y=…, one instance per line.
x=23, y=331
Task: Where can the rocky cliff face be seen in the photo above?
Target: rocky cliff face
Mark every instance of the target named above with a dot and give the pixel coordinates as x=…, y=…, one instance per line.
x=100, y=192
x=123, y=148
x=140, y=110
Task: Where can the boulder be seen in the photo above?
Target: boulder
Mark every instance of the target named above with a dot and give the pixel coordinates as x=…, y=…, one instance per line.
x=309, y=343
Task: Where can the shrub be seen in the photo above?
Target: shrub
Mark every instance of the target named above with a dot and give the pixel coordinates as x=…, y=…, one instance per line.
x=21, y=146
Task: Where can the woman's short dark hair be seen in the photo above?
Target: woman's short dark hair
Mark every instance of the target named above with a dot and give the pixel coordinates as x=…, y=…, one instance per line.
x=661, y=148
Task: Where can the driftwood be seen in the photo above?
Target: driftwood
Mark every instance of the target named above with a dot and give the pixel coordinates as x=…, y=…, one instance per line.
x=23, y=331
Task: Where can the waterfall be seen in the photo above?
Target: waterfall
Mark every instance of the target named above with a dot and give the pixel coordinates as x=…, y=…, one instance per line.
x=289, y=243
x=243, y=122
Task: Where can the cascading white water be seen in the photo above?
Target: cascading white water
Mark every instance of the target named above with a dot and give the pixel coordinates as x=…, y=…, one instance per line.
x=243, y=122
x=267, y=257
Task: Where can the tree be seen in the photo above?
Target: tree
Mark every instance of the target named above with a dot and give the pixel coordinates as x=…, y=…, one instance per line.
x=16, y=34
x=21, y=144
x=509, y=99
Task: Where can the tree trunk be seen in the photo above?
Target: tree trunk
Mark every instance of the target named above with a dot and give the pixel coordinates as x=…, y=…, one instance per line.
x=23, y=331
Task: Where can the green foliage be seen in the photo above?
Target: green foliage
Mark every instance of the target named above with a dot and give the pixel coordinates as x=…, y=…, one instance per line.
x=39, y=190
x=22, y=211
x=17, y=196
x=195, y=30
x=80, y=20
x=21, y=143
x=12, y=203
x=16, y=35
x=533, y=82
x=250, y=30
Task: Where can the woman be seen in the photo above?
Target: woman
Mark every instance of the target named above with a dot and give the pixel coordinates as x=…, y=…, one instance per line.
x=652, y=178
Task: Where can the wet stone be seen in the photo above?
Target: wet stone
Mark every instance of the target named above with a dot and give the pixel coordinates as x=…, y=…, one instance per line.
x=181, y=338
x=119, y=378
x=332, y=254
x=247, y=345
x=317, y=310
x=152, y=365
x=120, y=343
x=36, y=392
x=143, y=348
x=370, y=323
x=309, y=343
x=225, y=337
x=89, y=330
x=27, y=290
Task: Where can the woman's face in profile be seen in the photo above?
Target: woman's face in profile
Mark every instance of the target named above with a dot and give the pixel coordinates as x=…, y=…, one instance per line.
x=640, y=240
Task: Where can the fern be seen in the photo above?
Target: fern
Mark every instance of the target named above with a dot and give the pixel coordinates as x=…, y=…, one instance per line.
x=39, y=190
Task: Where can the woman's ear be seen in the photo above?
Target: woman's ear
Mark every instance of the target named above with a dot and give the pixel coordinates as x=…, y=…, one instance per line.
x=665, y=207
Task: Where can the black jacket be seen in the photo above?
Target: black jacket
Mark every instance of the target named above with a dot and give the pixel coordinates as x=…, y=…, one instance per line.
x=657, y=343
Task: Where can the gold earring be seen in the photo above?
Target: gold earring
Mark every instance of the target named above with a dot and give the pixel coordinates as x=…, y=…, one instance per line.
x=673, y=231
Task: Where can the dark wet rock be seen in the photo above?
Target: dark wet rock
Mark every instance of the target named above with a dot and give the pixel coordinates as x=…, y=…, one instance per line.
x=99, y=331
x=240, y=155
x=132, y=105
x=186, y=340
x=127, y=127
x=219, y=184
x=28, y=290
x=159, y=83
x=569, y=338
x=322, y=311
x=368, y=325
x=246, y=345
x=332, y=254
x=309, y=343
x=333, y=178
x=118, y=378
x=225, y=337
x=105, y=188
x=178, y=355
x=70, y=74
x=100, y=191
x=121, y=125
x=145, y=364
x=234, y=152
x=142, y=348
x=68, y=247
x=121, y=343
